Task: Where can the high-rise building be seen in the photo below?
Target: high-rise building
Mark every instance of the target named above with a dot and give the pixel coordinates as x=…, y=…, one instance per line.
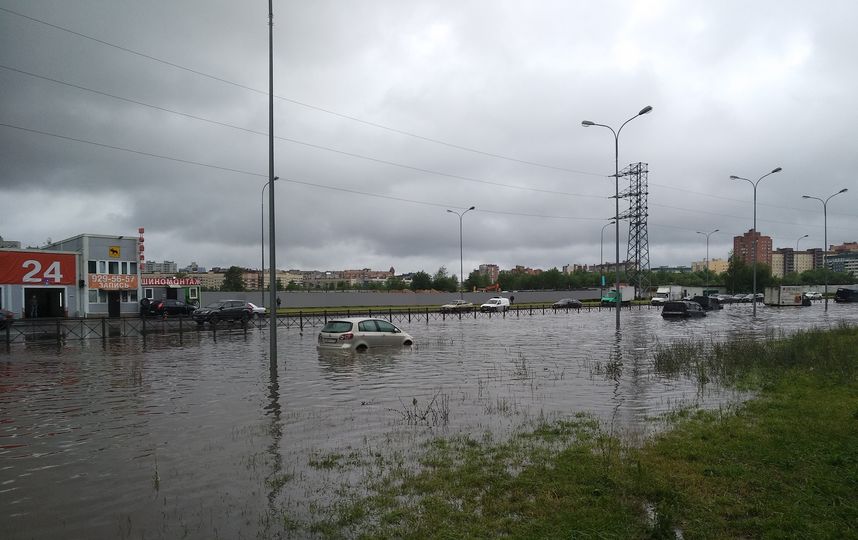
x=490, y=270
x=743, y=247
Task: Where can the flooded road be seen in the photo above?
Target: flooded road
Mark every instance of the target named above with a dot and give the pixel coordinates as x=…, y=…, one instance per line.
x=193, y=436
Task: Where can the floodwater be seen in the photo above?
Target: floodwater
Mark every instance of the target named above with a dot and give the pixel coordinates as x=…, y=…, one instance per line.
x=194, y=436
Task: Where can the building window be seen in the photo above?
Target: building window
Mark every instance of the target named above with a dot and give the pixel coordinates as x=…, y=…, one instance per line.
x=132, y=268
x=193, y=293
x=148, y=293
x=102, y=267
x=102, y=296
x=91, y=267
x=124, y=267
x=93, y=296
x=113, y=267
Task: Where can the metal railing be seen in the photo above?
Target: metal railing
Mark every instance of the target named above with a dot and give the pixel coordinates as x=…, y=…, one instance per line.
x=65, y=329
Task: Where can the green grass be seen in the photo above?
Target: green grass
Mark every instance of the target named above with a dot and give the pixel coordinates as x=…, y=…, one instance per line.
x=783, y=465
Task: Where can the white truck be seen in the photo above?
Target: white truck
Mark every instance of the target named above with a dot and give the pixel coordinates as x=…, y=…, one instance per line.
x=666, y=293
x=785, y=295
x=627, y=294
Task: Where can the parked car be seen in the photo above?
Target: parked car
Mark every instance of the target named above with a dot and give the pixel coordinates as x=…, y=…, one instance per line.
x=258, y=311
x=682, y=309
x=223, y=310
x=723, y=298
x=573, y=303
x=813, y=295
x=708, y=303
x=457, y=306
x=6, y=319
x=846, y=295
x=497, y=303
x=165, y=307
x=360, y=334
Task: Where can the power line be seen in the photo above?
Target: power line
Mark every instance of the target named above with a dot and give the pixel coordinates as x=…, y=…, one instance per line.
x=296, y=141
x=293, y=181
x=303, y=104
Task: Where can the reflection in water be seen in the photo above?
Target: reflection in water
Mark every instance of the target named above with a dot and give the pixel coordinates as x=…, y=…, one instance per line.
x=81, y=424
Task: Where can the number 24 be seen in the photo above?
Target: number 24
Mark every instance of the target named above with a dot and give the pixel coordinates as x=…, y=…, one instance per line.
x=52, y=272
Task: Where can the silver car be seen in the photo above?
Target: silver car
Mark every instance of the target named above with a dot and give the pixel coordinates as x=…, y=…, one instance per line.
x=360, y=333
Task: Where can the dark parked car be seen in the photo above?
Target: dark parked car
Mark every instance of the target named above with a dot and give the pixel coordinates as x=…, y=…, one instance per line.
x=224, y=310
x=567, y=303
x=6, y=318
x=682, y=309
x=846, y=295
x=162, y=308
x=708, y=303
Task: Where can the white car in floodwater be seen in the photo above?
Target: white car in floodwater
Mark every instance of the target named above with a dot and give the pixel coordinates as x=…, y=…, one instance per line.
x=361, y=333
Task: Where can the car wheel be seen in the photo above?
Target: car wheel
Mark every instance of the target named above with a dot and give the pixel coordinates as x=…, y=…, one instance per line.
x=361, y=348
x=244, y=317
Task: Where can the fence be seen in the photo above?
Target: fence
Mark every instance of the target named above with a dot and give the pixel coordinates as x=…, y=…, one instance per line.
x=62, y=329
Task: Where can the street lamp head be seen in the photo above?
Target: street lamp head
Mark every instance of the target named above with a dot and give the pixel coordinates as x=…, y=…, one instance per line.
x=645, y=110
x=451, y=211
x=777, y=169
x=807, y=197
x=472, y=208
x=716, y=230
x=587, y=123
x=844, y=190
x=734, y=177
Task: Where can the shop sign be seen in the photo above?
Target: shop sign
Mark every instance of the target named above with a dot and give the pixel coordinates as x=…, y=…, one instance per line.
x=170, y=281
x=115, y=252
x=35, y=268
x=112, y=282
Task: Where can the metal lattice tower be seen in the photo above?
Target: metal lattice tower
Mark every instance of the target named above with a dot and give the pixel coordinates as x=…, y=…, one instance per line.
x=637, y=256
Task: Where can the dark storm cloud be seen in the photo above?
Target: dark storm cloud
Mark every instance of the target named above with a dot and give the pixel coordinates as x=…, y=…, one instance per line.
x=162, y=123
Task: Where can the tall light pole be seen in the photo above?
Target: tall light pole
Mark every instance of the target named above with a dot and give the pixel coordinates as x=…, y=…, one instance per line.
x=777, y=169
x=262, y=243
x=587, y=123
x=602, y=256
x=799, y=240
x=825, y=241
x=272, y=322
x=707, y=235
x=461, y=258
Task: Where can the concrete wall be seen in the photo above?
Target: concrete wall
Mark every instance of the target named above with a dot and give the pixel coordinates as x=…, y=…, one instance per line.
x=374, y=298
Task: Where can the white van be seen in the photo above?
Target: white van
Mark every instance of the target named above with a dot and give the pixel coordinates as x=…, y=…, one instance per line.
x=496, y=304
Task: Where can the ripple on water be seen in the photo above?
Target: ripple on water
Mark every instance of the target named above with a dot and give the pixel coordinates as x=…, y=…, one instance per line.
x=186, y=435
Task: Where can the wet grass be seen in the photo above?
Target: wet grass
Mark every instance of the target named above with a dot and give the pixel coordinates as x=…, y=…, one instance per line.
x=782, y=465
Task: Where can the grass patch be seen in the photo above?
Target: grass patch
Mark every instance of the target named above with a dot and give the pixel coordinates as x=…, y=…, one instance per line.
x=784, y=465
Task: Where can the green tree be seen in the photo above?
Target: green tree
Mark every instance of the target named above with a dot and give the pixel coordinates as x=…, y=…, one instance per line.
x=421, y=281
x=232, y=280
x=441, y=281
x=476, y=280
x=394, y=284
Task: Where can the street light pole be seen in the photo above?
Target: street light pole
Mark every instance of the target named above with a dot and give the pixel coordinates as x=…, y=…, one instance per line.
x=799, y=240
x=825, y=240
x=777, y=169
x=587, y=123
x=707, y=235
x=262, y=242
x=461, y=252
x=602, y=256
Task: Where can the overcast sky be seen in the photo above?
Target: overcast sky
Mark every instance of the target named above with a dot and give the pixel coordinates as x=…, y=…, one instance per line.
x=124, y=114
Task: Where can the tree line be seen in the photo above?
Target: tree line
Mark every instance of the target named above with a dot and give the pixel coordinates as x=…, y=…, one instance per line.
x=737, y=279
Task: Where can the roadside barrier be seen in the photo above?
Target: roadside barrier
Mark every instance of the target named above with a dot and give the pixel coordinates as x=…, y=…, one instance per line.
x=65, y=329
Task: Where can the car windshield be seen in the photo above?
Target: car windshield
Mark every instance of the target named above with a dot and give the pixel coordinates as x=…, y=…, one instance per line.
x=336, y=327
x=215, y=305
x=674, y=306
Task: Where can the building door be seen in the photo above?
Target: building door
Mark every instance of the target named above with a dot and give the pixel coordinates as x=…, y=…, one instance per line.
x=172, y=294
x=113, y=303
x=42, y=302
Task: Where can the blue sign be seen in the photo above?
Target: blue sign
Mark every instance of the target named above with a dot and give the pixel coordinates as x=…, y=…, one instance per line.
x=603, y=281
